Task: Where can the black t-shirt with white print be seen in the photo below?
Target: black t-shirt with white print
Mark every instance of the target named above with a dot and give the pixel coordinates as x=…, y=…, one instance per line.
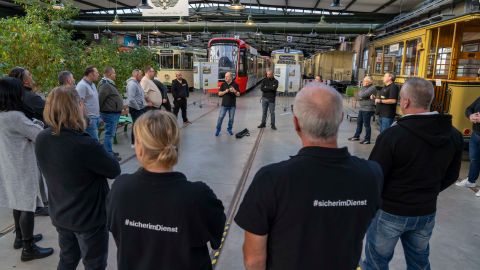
x=163, y=221
x=315, y=208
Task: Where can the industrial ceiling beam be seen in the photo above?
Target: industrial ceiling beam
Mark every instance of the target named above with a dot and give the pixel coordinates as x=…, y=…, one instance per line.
x=223, y=27
x=384, y=6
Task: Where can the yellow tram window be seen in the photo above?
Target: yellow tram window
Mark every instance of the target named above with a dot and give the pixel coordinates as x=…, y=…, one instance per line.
x=411, y=58
x=469, y=58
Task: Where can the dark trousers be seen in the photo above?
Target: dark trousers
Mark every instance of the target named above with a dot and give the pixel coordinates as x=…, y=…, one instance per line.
x=180, y=104
x=90, y=246
x=24, y=223
x=268, y=105
x=135, y=115
x=167, y=106
x=363, y=120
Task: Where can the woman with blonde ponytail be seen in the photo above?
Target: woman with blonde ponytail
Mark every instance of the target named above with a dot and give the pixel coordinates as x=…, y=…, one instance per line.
x=158, y=218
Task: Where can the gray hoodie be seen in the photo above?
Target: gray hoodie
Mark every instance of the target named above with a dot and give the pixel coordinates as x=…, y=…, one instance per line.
x=135, y=95
x=366, y=104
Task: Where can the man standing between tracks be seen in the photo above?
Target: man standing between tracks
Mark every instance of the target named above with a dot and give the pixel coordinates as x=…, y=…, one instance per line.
x=311, y=211
x=229, y=91
x=269, y=92
x=386, y=101
x=420, y=156
x=180, y=94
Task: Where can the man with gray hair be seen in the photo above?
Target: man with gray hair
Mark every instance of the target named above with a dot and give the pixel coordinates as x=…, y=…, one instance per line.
x=135, y=98
x=367, y=109
x=65, y=78
x=311, y=211
x=420, y=156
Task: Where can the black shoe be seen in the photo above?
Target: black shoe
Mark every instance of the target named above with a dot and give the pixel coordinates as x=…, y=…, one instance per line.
x=354, y=139
x=18, y=243
x=261, y=126
x=32, y=252
x=116, y=154
x=365, y=142
x=42, y=211
x=274, y=127
x=119, y=159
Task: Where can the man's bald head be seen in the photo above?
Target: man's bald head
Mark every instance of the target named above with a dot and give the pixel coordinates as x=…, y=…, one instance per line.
x=319, y=111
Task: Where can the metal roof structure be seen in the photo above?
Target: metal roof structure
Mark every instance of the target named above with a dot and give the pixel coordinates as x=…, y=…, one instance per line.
x=274, y=20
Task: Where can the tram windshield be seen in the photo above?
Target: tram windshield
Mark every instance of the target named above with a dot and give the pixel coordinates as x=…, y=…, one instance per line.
x=226, y=56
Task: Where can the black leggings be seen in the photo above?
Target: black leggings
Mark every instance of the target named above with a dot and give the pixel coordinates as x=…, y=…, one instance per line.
x=24, y=222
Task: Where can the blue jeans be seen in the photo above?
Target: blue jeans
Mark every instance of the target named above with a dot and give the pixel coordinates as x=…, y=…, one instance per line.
x=474, y=154
x=90, y=246
x=231, y=117
x=268, y=106
x=383, y=235
x=364, y=119
x=111, y=121
x=385, y=123
x=92, y=128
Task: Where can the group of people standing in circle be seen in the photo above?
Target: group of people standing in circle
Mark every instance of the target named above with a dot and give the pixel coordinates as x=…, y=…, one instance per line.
x=161, y=220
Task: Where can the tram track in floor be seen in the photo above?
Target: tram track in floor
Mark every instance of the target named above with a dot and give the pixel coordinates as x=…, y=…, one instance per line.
x=237, y=196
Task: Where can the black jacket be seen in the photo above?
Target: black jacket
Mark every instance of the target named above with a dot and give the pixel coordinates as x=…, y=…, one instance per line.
x=75, y=167
x=420, y=156
x=474, y=108
x=180, y=90
x=33, y=104
x=164, y=221
x=162, y=88
x=110, y=99
x=269, y=88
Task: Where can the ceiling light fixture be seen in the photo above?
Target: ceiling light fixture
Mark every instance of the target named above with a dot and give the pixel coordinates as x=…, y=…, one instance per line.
x=181, y=21
x=116, y=19
x=258, y=33
x=370, y=34
x=144, y=5
x=336, y=5
x=236, y=5
x=322, y=21
x=250, y=21
x=155, y=30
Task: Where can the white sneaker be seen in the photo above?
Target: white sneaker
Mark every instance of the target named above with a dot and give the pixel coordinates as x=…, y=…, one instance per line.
x=465, y=183
x=477, y=194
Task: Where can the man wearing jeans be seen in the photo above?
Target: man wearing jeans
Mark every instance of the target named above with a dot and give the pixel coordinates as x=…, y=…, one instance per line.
x=229, y=91
x=420, y=156
x=386, y=101
x=367, y=109
x=269, y=91
x=473, y=114
x=111, y=105
x=88, y=93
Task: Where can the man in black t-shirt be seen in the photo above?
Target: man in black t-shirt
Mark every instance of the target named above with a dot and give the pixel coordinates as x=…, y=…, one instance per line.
x=229, y=92
x=180, y=94
x=386, y=101
x=311, y=211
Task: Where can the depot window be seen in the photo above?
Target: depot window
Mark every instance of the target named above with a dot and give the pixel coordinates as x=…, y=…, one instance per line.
x=378, y=60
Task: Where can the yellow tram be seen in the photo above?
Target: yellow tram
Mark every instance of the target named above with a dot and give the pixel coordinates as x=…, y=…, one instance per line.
x=174, y=59
x=447, y=53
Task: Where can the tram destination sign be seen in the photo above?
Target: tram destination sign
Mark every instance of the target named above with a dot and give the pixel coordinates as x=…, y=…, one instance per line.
x=287, y=57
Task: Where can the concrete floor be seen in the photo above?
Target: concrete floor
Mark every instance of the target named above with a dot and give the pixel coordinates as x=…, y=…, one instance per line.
x=220, y=162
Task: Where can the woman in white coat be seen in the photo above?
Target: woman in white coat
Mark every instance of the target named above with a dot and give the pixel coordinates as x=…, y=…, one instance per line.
x=19, y=173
